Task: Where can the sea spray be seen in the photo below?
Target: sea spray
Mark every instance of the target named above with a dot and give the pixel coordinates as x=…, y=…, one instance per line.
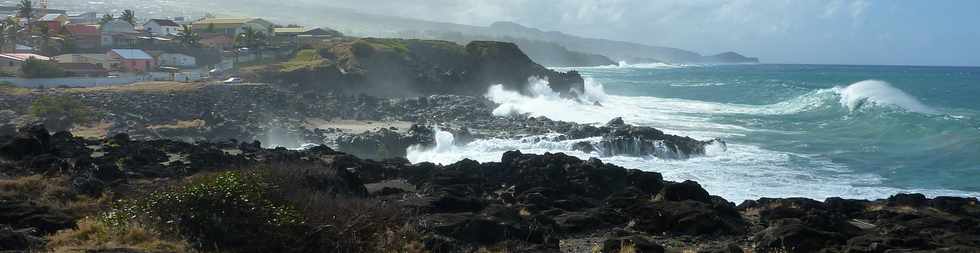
x=880, y=93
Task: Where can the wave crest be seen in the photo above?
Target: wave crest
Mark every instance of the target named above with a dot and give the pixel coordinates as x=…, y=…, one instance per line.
x=880, y=93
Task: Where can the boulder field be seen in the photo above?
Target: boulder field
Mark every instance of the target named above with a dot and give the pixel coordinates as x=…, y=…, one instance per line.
x=524, y=203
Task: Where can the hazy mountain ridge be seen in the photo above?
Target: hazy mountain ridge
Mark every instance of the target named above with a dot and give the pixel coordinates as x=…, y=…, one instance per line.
x=356, y=23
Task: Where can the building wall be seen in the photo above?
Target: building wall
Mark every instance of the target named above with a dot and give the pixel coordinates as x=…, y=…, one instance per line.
x=161, y=30
x=10, y=66
x=178, y=60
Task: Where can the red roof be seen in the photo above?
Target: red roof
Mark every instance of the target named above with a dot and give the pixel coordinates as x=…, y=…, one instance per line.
x=83, y=29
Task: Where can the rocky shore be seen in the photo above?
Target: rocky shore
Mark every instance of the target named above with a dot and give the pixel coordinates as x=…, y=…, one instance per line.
x=524, y=203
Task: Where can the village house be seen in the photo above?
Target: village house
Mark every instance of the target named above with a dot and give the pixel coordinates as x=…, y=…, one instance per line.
x=54, y=21
x=118, y=33
x=131, y=60
x=86, y=18
x=217, y=41
x=161, y=27
x=86, y=36
x=101, y=60
x=304, y=34
x=176, y=60
x=231, y=26
x=11, y=63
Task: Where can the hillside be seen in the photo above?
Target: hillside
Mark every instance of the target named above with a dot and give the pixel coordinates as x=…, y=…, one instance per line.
x=406, y=68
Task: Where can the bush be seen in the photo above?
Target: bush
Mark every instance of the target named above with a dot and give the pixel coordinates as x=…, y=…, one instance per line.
x=34, y=68
x=61, y=112
x=230, y=210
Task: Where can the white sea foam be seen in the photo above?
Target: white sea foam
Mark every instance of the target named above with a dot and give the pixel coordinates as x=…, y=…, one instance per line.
x=882, y=94
x=742, y=172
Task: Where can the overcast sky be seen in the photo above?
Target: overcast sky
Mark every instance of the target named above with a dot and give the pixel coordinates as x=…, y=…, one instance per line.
x=920, y=32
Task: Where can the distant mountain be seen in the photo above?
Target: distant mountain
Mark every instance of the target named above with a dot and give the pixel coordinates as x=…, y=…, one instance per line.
x=549, y=47
x=617, y=50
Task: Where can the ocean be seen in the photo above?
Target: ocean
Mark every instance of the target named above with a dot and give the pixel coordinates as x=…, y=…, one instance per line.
x=815, y=131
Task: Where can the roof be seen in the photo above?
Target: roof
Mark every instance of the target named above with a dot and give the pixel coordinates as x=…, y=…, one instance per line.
x=52, y=17
x=23, y=57
x=163, y=22
x=294, y=29
x=132, y=54
x=301, y=30
x=91, y=56
x=227, y=22
x=75, y=29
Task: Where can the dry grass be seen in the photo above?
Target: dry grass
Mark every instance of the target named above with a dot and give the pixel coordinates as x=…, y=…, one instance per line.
x=94, y=131
x=94, y=235
x=145, y=87
x=53, y=192
x=180, y=124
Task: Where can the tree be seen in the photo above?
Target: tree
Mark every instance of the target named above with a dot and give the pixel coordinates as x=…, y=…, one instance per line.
x=188, y=37
x=129, y=16
x=35, y=68
x=61, y=112
x=106, y=19
x=25, y=9
x=5, y=26
x=252, y=39
x=44, y=39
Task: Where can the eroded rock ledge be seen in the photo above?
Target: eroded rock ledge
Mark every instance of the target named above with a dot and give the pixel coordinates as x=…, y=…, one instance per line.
x=539, y=203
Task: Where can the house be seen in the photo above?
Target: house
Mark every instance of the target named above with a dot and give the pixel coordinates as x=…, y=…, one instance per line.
x=54, y=21
x=84, y=69
x=11, y=63
x=101, y=60
x=306, y=31
x=218, y=41
x=86, y=36
x=131, y=60
x=304, y=34
x=231, y=26
x=161, y=27
x=87, y=18
x=176, y=60
x=117, y=33
x=23, y=49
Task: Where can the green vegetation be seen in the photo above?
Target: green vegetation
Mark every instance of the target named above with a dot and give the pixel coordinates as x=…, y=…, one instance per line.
x=129, y=16
x=61, y=112
x=305, y=208
x=188, y=37
x=304, y=59
x=376, y=44
x=35, y=68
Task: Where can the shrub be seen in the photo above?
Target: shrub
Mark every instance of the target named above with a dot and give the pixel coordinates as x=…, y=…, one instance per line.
x=35, y=68
x=229, y=210
x=61, y=112
x=97, y=235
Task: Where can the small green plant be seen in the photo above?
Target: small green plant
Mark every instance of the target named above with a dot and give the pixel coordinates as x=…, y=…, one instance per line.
x=35, y=68
x=229, y=208
x=61, y=112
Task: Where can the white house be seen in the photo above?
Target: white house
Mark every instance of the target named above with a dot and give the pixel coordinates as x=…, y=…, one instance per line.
x=117, y=33
x=176, y=60
x=162, y=27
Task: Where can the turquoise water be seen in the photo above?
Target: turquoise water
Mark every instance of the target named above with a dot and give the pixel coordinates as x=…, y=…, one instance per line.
x=792, y=130
x=939, y=149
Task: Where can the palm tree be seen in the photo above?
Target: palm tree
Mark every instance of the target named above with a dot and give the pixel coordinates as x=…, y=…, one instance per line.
x=10, y=31
x=129, y=16
x=5, y=26
x=188, y=37
x=106, y=19
x=25, y=9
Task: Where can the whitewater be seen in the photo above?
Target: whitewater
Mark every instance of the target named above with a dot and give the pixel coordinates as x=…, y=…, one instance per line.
x=789, y=133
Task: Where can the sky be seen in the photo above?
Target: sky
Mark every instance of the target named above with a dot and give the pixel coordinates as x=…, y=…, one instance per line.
x=909, y=32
